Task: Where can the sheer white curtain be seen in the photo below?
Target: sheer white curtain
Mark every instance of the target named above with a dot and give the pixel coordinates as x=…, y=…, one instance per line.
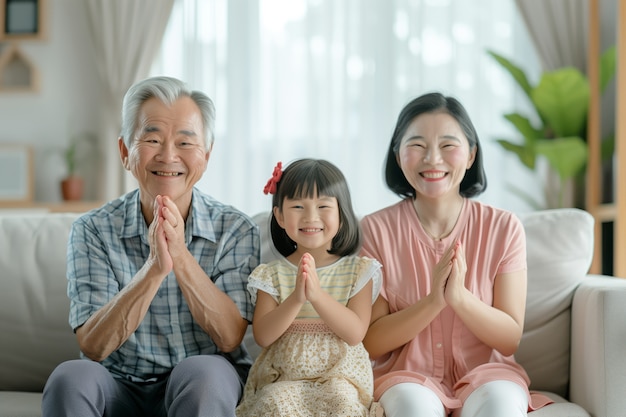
x=559, y=30
x=327, y=79
x=126, y=36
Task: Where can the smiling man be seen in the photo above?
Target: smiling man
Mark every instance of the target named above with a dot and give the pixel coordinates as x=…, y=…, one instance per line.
x=157, y=278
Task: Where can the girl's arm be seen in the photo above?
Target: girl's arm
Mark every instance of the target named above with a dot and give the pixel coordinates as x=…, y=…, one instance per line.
x=271, y=319
x=348, y=322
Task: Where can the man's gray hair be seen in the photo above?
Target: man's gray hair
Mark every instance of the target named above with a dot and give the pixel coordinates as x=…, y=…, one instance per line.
x=167, y=90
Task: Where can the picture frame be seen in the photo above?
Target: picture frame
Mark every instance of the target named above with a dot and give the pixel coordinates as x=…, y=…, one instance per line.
x=22, y=19
x=16, y=174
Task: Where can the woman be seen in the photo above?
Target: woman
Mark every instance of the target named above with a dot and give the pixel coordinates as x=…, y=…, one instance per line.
x=451, y=310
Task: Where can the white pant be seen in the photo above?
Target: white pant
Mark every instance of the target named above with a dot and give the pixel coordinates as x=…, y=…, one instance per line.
x=493, y=399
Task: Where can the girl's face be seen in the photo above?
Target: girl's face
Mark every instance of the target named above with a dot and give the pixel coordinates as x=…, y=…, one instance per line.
x=434, y=155
x=310, y=222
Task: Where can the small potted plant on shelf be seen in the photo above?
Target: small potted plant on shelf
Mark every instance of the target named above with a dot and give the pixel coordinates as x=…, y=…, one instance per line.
x=72, y=185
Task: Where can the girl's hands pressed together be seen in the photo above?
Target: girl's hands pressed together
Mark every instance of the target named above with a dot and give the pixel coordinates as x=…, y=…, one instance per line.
x=300, y=291
x=312, y=284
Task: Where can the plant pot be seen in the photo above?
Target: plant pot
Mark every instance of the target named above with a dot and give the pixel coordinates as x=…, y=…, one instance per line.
x=72, y=188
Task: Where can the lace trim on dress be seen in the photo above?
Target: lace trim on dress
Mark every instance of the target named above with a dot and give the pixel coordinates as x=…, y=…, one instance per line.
x=371, y=270
x=254, y=284
x=307, y=326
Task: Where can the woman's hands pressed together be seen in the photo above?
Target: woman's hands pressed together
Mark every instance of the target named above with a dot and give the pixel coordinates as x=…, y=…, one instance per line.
x=455, y=290
x=441, y=274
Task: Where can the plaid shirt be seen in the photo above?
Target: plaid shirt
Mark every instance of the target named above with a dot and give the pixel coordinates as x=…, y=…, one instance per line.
x=107, y=247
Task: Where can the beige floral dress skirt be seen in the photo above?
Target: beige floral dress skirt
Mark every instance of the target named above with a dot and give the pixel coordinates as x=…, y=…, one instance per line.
x=309, y=371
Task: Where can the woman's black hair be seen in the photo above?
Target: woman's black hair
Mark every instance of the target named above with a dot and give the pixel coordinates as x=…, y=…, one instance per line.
x=304, y=178
x=474, y=182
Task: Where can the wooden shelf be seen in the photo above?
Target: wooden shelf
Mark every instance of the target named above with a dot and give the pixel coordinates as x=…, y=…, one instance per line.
x=60, y=207
x=604, y=212
x=615, y=212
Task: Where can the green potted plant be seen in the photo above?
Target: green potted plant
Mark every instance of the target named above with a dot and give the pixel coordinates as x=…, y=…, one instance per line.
x=560, y=100
x=72, y=184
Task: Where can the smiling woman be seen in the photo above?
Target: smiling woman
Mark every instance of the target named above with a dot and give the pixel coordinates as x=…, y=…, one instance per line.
x=325, y=79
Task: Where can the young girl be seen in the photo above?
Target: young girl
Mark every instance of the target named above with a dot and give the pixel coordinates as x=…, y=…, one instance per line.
x=313, y=306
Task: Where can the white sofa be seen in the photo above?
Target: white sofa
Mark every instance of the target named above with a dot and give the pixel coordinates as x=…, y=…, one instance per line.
x=573, y=343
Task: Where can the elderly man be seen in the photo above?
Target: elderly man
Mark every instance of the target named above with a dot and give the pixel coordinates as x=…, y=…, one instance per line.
x=157, y=278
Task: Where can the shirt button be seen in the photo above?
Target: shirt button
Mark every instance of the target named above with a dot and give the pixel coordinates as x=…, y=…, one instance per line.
x=439, y=345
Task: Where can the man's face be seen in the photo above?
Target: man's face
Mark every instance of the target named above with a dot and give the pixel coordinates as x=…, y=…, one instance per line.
x=167, y=154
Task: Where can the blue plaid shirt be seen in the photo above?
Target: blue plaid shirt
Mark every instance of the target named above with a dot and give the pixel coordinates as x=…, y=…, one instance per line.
x=107, y=247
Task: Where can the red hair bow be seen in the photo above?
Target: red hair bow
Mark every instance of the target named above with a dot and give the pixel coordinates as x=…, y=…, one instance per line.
x=270, y=187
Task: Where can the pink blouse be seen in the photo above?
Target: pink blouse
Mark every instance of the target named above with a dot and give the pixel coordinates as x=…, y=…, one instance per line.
x=445, y=356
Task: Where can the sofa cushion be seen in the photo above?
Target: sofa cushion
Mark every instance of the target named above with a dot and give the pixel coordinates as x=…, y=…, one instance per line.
x=268, y=251
x=34, y=306
x=20, y=404
x=559, y=246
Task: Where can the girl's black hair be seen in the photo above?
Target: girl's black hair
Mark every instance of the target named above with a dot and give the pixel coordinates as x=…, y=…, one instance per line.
x=474, y=182
x=303, y=178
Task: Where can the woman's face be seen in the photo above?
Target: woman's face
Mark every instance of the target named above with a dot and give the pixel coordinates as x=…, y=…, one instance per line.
x=434, y=155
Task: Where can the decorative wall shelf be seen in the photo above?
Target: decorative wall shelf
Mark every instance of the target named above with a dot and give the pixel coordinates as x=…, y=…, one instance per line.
x=17, y=72
x=20, y=20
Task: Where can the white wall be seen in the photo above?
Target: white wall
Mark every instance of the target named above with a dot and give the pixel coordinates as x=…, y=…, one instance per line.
x=66, y=103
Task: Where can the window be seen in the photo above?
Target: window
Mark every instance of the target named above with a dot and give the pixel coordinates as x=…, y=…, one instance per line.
x=327, y=79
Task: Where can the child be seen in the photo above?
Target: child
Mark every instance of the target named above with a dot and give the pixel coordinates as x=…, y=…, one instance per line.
x=313, y=306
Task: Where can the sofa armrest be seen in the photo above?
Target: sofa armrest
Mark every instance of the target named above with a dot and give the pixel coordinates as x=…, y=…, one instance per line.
x=598, y=362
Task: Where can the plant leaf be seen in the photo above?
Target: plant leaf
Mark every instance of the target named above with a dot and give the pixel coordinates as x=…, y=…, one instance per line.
x=525, y=153
x=567, y=156
x=516, y=72
x=523, y=125
x=607, y=147
x=562, y=98
x=608, y=67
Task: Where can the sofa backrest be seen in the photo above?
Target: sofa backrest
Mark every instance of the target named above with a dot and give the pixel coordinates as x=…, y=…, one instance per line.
x=34, y=306
x=559, y=245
